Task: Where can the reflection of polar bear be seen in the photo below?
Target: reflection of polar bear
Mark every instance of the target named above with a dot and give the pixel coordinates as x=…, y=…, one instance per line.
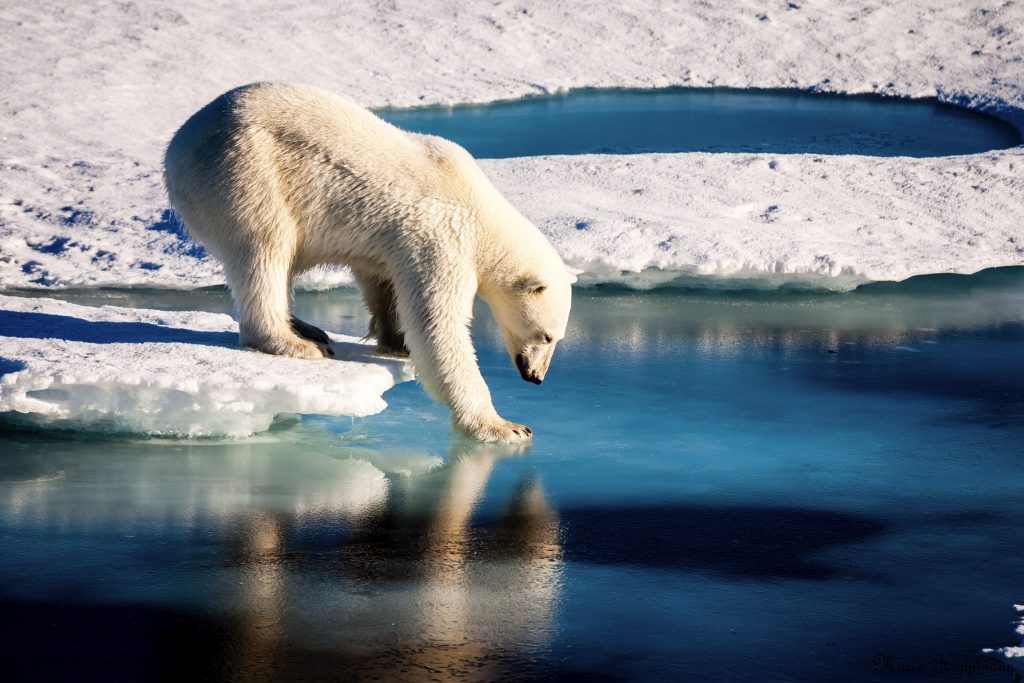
x=274, y=179
x=429, y=589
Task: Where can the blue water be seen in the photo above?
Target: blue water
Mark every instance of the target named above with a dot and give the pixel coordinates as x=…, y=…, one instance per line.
x=710, y=120
x=722, y=486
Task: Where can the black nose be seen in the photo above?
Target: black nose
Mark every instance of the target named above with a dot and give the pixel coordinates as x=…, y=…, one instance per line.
x=530, y=378
x=524, y=371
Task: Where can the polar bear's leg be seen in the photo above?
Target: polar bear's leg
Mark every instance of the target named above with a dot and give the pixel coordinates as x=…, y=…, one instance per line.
x=436, y=321
x=379, y=295
x=261, y=285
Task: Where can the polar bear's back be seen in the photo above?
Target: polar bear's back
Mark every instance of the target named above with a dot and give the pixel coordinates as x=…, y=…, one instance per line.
x=281, y=119
x=310, y=143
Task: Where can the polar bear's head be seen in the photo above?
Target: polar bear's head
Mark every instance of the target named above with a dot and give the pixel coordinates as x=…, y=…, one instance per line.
x=533, y=312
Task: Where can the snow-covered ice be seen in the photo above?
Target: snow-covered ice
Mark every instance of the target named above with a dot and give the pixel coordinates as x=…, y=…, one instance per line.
x=94, y=90
x=169, y=373
x=774, y=217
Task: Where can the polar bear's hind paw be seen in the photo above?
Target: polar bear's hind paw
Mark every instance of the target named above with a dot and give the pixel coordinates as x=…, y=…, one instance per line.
x=294, y=347
x=310, y=332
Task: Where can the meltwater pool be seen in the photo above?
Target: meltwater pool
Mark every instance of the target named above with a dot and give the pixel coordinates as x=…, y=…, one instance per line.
x=710, y=120
x=722, y=486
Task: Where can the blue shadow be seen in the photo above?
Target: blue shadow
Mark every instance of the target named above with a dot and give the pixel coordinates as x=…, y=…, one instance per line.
x=27, y=325
x=30, y=325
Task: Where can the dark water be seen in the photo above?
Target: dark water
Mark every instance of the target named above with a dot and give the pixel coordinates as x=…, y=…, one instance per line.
x=710, y=120
x=743, y=487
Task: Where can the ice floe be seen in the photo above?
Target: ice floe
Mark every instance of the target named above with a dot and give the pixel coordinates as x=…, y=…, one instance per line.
x=828, y=221
x=169, y=373
x=94, y=91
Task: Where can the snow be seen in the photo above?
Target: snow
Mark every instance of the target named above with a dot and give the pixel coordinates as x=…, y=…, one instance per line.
x=169, y=373
x=94, y=90
x=774, y=217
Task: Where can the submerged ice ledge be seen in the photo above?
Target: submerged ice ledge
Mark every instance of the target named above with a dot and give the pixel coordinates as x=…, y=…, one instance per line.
x=169, y=373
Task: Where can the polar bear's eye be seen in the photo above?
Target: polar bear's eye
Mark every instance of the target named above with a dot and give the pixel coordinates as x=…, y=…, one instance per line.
x=548, y=338
x=529, y=285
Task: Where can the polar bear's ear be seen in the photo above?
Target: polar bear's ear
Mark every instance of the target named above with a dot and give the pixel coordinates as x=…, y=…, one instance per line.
x=530, y=285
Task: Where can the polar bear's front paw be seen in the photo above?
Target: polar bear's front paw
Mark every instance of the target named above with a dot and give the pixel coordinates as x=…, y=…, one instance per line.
x=501, y=431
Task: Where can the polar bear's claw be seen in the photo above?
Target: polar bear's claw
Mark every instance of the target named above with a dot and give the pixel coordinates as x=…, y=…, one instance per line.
x=310, y=332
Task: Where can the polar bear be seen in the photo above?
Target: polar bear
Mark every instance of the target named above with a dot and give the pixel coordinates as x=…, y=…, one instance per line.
x=274, y=179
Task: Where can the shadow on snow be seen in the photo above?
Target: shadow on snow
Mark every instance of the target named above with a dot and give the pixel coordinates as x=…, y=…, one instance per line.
x=43, y=326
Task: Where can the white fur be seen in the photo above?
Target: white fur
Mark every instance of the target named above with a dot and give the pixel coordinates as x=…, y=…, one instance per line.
x=275, y=179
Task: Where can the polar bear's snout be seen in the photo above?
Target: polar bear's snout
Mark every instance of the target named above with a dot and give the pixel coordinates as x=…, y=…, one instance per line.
x=533, y=319
x=524, y=370
x=533, y=362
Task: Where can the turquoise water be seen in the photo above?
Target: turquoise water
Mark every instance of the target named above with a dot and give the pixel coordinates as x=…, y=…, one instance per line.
x=710, y=120
x=722, y=486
